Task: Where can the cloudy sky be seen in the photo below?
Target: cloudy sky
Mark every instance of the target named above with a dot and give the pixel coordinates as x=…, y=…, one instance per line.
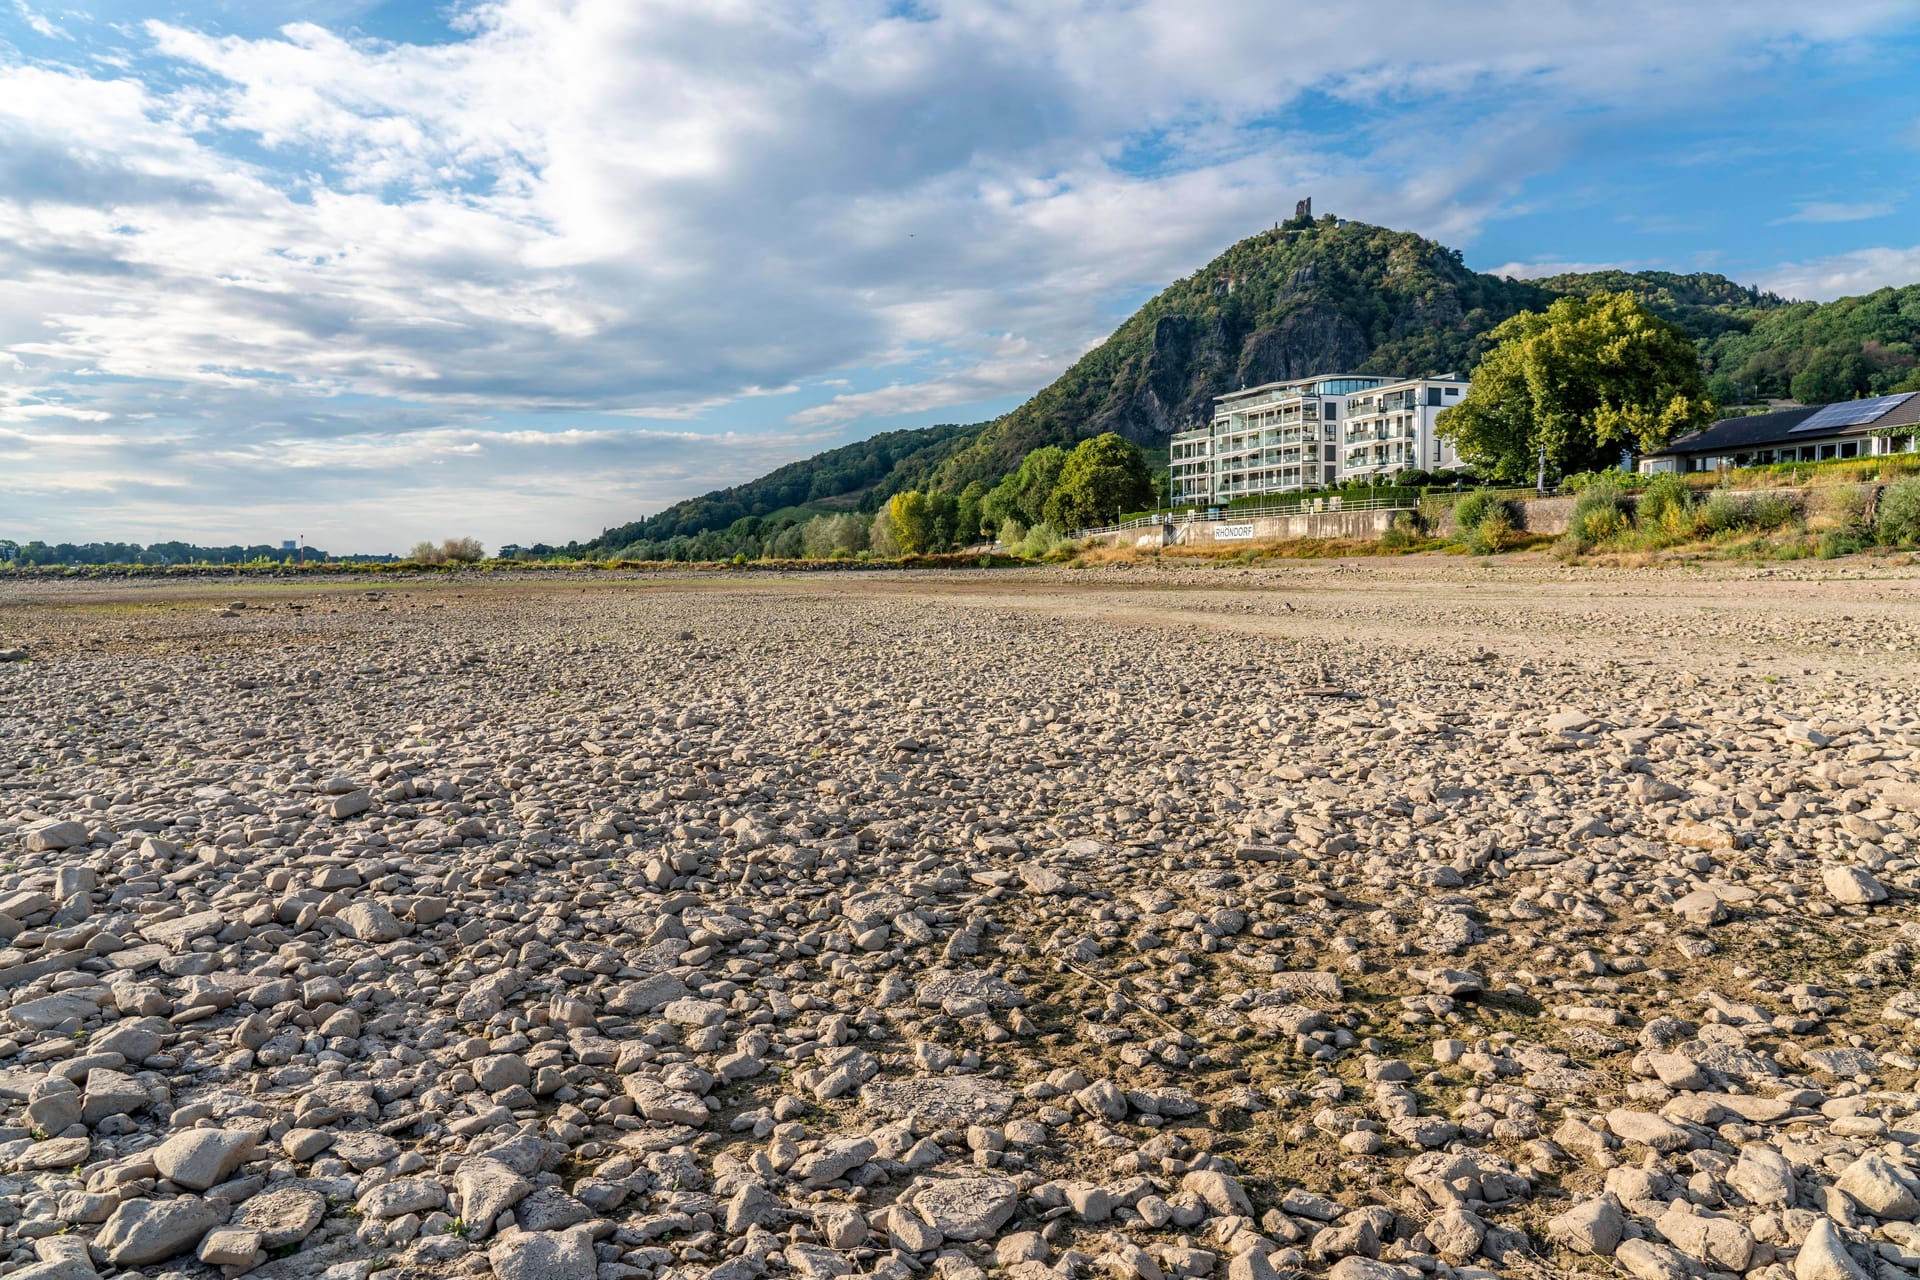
x=373, y=272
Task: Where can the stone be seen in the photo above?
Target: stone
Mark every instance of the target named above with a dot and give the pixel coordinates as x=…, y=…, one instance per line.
x=550, y=1209
x=817, y=1262
x=1650, y=1260
x=487, y=1189
x=1762, y=1176
x=1221, y=1193
x=1358, y=1268
x=1592, y=1227
x=229, y=1247
x=55, y=1153
x=199, y=1158
x=501, y=1071
x=544, y=1255
x=1721, y=1243
x=369, y=922
x=659, y=1102
x=351, y=805
x=53, y=836
x=112, y=1093
x=402, y=1196
x=937, y=1101
x=1852, y=885
x=1876, y=1188
x=966, y=1208
x=1456, y=1234
x=1823, y=1256
x=48, y=1012
x=282, y=1217
x=1648, y=1130
x=1702, y=907
x=835, y=1159
x=140, y=1232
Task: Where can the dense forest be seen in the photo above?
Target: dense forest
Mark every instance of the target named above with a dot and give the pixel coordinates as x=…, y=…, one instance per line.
x=1310, y=296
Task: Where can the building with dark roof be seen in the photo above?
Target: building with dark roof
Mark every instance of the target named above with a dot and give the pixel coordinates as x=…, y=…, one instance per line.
x=1814, y=433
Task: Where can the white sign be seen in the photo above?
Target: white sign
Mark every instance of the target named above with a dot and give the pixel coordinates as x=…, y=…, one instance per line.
x=1233, y=533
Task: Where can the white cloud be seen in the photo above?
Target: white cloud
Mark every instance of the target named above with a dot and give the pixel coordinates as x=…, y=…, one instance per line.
x=1860, y=271
x=39, y=22
x=1832, y=211
x=313, y=254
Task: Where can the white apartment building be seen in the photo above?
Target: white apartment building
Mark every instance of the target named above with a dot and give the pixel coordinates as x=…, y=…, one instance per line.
x=1282, y=437
x=1391, y=428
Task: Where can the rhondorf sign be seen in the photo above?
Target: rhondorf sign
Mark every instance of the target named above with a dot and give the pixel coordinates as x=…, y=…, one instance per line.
x=1233, y=532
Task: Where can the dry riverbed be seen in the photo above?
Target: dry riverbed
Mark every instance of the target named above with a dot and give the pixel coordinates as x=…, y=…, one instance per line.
x=1387, y=918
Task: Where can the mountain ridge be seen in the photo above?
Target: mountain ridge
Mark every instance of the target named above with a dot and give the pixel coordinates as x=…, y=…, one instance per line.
x=1305, y=297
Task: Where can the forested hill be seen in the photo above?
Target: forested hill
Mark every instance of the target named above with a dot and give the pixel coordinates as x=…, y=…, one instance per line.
x=836, y=479
x=1311, y=297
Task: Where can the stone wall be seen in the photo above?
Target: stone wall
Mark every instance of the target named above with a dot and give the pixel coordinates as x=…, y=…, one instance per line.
x=1545, y=516
x=1357, y=525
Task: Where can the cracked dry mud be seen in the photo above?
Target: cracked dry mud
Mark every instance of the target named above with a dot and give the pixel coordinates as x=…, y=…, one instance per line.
x=1396, y=920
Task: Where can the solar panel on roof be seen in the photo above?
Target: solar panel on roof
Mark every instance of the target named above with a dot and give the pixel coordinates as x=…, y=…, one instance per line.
x=1853, y=413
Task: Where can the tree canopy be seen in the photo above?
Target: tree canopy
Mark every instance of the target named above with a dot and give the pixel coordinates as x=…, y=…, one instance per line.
x=1586, y=379
x=1101, y=478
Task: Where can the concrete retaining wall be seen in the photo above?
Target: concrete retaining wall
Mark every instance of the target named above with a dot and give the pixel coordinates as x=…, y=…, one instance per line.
x=1546, y=516
x=1225, y=533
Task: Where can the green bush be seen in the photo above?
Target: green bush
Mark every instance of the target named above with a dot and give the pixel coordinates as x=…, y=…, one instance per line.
x=1471, y=511
x=1838, y=542
x=1721, y=513
x=1042, y=540
x=1402, y=533
x=1772, y=511
x=1489, y=535
x=1665, y=499
x=1898, y=522
x=1598, y=514
x=1568, y=547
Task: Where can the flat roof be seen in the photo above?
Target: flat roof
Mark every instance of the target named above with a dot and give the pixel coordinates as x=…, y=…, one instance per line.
x=1267, y=388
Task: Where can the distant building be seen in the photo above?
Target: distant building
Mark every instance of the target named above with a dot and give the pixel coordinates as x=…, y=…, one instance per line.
x=1282, y=437
x=1869, y=428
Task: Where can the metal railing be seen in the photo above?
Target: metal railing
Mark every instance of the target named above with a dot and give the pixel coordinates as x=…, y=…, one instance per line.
x=1223, y=515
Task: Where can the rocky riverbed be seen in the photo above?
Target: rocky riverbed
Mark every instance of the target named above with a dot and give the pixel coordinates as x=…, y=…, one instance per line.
x=1374, y=920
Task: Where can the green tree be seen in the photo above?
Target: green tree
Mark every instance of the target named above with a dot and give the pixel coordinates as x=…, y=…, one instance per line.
x=967, y=518
x=911, y=518
x=943, y=521
x=1101, y=478
x=1031, y=486
x=1834, y=373
x=1584, y=380
x=880, y=539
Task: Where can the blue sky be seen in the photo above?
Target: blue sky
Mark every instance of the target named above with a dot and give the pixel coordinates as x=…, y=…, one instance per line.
x=523, y=269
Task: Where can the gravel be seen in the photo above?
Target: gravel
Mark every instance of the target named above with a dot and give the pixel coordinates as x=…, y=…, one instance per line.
x=1370, y=920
